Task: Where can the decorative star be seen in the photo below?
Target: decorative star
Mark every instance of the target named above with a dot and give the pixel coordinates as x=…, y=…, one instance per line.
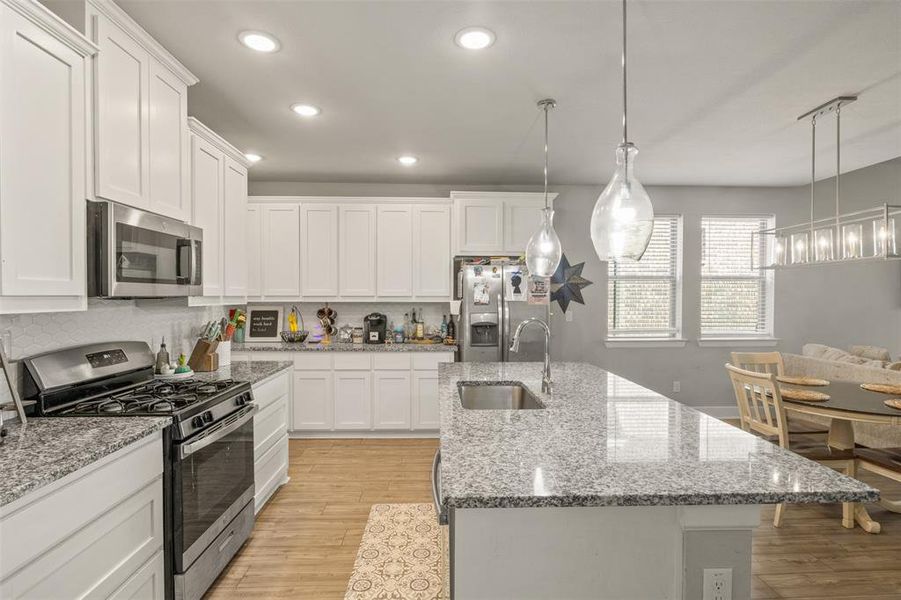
x=567, y=283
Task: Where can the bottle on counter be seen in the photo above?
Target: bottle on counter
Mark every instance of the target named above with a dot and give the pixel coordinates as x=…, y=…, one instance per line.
x=407, y=330
x=451, y=336
x=443, y=331
x=420, y=327
x=162, y=357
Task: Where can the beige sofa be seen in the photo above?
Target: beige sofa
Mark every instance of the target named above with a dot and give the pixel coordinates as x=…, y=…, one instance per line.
x=833, y=364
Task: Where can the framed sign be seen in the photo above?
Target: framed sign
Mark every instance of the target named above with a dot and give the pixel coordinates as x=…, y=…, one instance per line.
x=264, y=324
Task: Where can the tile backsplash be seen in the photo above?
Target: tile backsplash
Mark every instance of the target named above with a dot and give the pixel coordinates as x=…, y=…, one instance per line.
x=352, y=313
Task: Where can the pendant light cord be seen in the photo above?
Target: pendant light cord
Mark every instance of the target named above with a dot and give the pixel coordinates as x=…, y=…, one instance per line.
x=546, y=108
x=813, y=168
x=838, y=161
x=625, y=105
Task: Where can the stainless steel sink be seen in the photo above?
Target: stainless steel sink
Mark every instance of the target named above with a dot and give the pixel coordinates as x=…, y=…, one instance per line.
x=497, y=396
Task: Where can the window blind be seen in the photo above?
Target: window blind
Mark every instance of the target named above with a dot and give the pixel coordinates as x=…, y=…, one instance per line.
x=735, y=293
x=642, y=295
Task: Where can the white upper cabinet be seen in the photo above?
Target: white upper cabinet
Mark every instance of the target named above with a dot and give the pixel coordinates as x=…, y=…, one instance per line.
x=319, y=249
x=432, y=251
x=168, y=139
x=357, y=248
x=43, y=128
x=395, y=250
x=122, y=157
x=219, y=207
x=235, y=230
x=207, y=169
x=140, y=118
x=280, y=250
x=253, y=243
x=496, y=222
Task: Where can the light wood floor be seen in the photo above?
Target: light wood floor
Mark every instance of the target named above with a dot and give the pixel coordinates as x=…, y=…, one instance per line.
x=306, y=538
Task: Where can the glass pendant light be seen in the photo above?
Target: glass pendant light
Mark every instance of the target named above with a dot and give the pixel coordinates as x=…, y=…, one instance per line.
x=543, y=252
x=623, y=217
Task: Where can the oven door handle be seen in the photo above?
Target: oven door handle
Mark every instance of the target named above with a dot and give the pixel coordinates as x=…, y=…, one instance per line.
x=217, y=432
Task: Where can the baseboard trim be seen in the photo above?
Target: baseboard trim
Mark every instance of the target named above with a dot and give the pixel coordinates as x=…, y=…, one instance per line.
x=376, y=435
x=720, y=412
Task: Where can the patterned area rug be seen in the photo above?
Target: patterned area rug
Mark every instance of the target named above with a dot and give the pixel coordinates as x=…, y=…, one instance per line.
x=400, y=557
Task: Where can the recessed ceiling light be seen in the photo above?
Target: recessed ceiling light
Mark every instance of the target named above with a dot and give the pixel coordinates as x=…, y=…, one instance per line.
x=407, y=160
x=254, y=158
x=474, y=38
x=306, y=110
x=259, y=41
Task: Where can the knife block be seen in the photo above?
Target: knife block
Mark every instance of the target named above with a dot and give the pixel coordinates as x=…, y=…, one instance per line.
x=204, y=358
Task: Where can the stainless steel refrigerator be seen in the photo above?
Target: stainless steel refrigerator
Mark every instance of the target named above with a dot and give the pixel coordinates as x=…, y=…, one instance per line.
x=494, y=300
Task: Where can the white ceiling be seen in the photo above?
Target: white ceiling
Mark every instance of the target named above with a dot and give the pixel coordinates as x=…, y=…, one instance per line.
x=715, y=87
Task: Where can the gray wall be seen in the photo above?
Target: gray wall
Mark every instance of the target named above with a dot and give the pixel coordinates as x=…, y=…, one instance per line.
x=838, y=305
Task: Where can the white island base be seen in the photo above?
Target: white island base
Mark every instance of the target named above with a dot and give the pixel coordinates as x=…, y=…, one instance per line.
x=602, y=553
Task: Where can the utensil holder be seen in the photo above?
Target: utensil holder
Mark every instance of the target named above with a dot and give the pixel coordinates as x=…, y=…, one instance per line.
x=204, y=358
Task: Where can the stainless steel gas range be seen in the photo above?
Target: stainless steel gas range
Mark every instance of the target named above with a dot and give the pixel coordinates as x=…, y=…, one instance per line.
x=208, y=477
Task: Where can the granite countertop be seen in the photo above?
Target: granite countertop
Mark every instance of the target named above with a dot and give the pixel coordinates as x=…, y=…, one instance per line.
x=603, y=440
x=49, y=448
x=339, y=347
x=245, y=370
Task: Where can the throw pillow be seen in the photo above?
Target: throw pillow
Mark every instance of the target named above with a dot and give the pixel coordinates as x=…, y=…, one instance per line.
x=871, y=352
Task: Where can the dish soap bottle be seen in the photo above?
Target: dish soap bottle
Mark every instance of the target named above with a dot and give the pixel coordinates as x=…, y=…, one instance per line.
x=162, y=357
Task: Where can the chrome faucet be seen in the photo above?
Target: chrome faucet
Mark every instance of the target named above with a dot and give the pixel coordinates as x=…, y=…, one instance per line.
x=514, y=347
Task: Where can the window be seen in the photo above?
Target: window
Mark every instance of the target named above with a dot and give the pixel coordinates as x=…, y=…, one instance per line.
x=736, y=296
x=643, y=297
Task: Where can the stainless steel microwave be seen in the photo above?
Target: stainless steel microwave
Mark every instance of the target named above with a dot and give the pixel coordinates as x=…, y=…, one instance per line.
x=137, y=254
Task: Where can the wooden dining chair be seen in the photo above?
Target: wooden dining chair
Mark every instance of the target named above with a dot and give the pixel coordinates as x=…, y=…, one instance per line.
x=771, y=362
x=762, y=412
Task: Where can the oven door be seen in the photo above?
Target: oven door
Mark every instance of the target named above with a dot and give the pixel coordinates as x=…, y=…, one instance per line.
x=140, y=254
x=212, y=482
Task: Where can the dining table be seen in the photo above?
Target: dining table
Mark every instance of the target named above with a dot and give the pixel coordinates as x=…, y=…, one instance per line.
x=849, y=403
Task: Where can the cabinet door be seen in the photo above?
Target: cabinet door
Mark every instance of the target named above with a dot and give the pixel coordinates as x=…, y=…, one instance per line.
x=281, y=247
x=481, y=225
x=235, y=230
x=313, y=405
x=254, y=240
x=319, y=250
x=207, y=174
x=353, y=400
x=356, y=270
x=122, y=154
x=425, y=400
x=522, y=218
x=168, y=131
x=42, y=168
x=391, y=399
x=395, y=251
x=432, y=251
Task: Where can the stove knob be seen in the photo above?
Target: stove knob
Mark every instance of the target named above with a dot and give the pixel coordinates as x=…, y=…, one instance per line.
x=197, y=421
x=207, y=417
x=241, y=400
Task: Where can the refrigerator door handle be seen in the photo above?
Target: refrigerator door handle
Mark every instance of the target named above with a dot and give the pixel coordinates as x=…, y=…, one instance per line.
x=501, y=326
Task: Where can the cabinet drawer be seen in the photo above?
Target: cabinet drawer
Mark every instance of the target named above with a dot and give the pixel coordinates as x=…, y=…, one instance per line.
x=35, y=527
x=392, y=361
x=146, y=584
x=352, y=361
x=269, y=471
x=313, y=361
x=266, y=393
x=269, y=425
x=100, y=557
x=430, y=361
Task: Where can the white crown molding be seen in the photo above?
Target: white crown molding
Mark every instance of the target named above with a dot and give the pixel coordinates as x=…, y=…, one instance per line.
x=38, y=14
x=201, y=130
x=111, y=10
x=470, y=195
x=349, y=200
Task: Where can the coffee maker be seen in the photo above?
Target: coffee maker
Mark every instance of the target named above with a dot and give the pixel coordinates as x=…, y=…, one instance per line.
x=374, y=328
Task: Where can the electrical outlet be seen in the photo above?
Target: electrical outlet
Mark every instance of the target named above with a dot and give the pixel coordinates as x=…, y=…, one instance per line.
x=677, y=386
x=717, y=584
x=569, y=317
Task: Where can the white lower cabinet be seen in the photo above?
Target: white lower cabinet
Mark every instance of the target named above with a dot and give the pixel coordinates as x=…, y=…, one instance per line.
x=392, y=399
x=353, y=400
x=270, y=436
x=313, y=405
x=351, y=393
x=95, y=533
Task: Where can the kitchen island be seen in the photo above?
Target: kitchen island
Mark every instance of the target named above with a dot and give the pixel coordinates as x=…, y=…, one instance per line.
x=609, y=491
